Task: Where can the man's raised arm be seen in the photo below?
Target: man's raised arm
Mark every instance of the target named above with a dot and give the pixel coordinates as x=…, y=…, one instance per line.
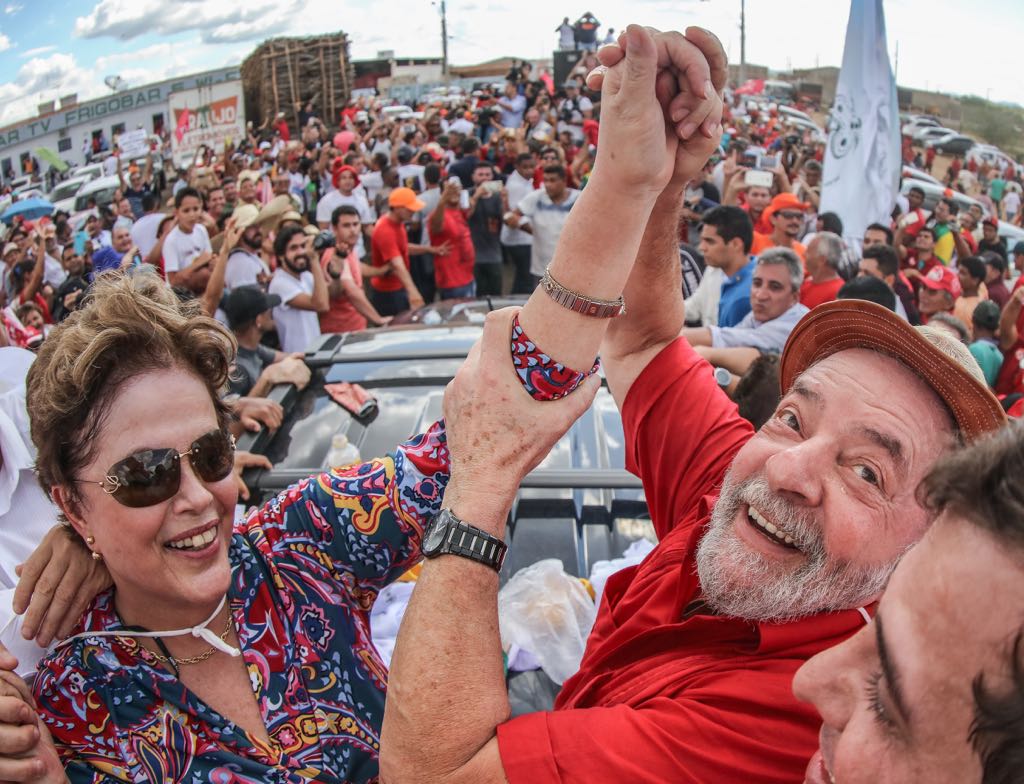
x=446, y=690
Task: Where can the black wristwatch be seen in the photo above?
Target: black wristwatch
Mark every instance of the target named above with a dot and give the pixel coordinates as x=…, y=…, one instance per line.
x=447, y=534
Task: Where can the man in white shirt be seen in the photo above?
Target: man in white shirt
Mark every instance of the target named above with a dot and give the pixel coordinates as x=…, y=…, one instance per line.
x=346, y=191
x=302, y=287
x=543, y=213
x=26, y=514
x=187, y=251
x=513, y=105
x=516, y=242
x=144, y=229
x=573, y=110
x=245, y=267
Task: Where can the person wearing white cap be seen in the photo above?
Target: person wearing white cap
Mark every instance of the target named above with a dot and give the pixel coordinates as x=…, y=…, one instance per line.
x=245, y=266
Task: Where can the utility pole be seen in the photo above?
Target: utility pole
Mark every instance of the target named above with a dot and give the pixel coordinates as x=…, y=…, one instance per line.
x=743, y=41
x=444, y=40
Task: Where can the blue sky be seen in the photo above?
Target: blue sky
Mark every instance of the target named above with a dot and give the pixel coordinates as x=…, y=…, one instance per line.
x=52, y=47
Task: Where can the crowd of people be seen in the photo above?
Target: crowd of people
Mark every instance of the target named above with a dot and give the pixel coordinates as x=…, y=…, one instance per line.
x=813, y=420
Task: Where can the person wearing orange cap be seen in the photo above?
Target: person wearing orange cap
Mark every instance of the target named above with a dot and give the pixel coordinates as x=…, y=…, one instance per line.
x=940, y=289
x=786, y=215
x=394, y=291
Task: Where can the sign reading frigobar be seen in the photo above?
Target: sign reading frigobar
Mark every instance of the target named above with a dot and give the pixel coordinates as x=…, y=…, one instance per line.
x=207, y=116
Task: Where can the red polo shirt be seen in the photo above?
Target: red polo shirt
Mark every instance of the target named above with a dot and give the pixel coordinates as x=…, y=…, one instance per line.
x=387, y=241
x=664, y=695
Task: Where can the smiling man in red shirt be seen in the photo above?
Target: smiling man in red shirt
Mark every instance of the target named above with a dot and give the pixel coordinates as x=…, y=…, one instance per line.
x=772, y=546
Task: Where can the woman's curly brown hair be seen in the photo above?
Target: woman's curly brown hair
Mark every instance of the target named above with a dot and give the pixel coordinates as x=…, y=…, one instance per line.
x=129, y=325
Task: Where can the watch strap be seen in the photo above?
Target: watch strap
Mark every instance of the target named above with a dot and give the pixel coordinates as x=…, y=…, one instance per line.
x=470, y=542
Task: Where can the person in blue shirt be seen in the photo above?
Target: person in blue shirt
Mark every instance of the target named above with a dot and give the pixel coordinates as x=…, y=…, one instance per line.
x=723, y=298
x=113, y=256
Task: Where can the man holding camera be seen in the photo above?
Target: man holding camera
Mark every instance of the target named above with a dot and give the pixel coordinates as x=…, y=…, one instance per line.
x=573, y=110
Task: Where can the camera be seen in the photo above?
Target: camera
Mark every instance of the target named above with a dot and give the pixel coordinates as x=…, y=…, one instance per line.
x=323, y=241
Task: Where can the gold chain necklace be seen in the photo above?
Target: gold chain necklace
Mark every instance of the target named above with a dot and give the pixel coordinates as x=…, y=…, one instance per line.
x=199, y=657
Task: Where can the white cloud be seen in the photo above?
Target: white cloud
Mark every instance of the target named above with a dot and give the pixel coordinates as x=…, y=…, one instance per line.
x=5, y=43
x=39, y=50
x=12, y=8
x=218, y=23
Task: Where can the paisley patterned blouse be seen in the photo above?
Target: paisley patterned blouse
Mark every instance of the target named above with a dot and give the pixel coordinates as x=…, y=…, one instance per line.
x=307, y=568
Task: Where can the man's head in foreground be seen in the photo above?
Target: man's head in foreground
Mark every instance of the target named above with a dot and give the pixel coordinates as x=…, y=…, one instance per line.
x=818, y=507
x=933, y=690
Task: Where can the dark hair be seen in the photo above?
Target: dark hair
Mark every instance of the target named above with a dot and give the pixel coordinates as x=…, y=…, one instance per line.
x=995, y=260
x=344, y=209
x=882, y=228
x=470, y=145
x=831, y=222
x=730, y=223
x=523, y=157
x=868, y=288
x=483, y=165
x=916, y=189
x=432, y=174
x=149, y=201
x=980, y=484
x=975, y=266
x=926, y=230
x=556, y=169
x=283, y=238
x=758, y=393
x=885, y=257
x=954, y=208
x=185, y=193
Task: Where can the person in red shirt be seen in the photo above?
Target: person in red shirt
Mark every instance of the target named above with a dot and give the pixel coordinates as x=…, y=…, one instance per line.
x=394, y=291
x=939, y=290
x=771, y=546
x=824, y=255
x=453, y=271
x=349, y=308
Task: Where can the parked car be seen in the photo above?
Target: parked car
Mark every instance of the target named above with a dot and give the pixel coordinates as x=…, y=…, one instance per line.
x=918, y=123
x=579, y=505
x=918, y=174
x=63, y=195
x=790, y=111
x=1012, y=234
x=926, y=133
x=90, y=171
x=952, y=144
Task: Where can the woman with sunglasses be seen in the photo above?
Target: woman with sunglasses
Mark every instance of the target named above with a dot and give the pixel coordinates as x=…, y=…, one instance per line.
x=225, y=652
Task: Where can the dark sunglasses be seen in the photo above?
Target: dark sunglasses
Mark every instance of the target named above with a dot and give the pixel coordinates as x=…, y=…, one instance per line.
x=151, y=476
x=790, y=214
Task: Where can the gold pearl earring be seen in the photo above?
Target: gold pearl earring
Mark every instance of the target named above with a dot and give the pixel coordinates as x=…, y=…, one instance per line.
x=91, y=540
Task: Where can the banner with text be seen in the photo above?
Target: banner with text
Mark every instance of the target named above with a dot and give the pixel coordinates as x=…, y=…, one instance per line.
x=206, y=116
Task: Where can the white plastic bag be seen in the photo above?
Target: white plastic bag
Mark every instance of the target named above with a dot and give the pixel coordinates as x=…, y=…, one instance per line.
x=549, y=613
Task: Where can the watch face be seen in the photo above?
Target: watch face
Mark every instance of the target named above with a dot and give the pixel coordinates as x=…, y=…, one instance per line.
x=433, y=537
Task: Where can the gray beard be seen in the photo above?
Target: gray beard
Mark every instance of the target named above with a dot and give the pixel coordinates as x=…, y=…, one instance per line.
x=743, y=583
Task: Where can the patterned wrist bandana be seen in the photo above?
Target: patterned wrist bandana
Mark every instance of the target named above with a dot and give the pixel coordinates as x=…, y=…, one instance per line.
x=542, y=377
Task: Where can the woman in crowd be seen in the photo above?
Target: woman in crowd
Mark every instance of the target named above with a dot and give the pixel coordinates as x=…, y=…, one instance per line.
x=274, y=677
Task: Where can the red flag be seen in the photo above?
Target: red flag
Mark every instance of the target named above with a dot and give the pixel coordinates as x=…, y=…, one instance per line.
x=182, y=127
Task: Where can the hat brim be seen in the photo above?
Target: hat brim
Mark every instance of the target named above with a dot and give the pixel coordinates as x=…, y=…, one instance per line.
x=847, y=324
x=413, y=204
x=934, y=285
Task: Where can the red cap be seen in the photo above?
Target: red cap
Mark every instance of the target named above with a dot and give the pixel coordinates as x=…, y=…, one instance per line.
x=336, y=174
x=941, y=278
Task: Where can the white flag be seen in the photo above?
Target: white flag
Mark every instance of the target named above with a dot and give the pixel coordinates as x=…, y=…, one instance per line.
x=863, y=158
